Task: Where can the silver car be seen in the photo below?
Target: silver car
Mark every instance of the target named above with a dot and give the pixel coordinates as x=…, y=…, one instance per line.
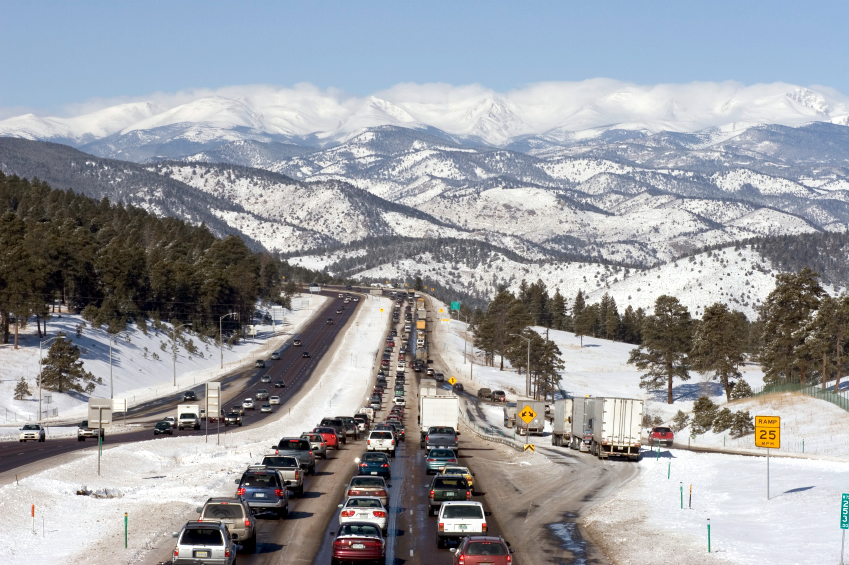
x=204, y=543
x=319, y=446
x=248, y=404
x=236, y=515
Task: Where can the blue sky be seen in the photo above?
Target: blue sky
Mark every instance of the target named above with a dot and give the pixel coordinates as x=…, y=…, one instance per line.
x=53, y=54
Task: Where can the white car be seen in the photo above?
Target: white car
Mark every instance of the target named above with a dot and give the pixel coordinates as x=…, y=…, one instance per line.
x=364, y=509
x=460, y=519
x=32, y=432
x=248, y=404
x=265, y=408
x=274, y=400
x=355, y=299
x=171, y=420
x=399, y=401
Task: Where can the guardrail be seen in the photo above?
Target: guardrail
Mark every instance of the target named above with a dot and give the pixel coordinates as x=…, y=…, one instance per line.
x=486, y=433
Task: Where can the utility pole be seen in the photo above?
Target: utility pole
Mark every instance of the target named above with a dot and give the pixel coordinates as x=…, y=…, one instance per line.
x=220, y=333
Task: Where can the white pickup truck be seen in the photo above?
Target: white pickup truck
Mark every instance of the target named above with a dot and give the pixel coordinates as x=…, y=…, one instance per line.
x=458, y=520
x=84, y=432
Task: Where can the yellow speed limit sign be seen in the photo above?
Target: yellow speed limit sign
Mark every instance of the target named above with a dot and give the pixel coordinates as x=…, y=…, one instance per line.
x=768, y=432
x=453, y=381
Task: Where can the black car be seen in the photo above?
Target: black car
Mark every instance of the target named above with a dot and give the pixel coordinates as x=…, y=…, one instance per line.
x=260, y=363
x=305, y=354
x=279, y=384
x=329, y=321
x=458, y=387
x=233, y=419
x=190, y=395
x=296, y=342
x=163, y=428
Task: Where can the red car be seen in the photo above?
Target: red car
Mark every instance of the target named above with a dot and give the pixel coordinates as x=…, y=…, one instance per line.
x=482, y=549
x=661, y=435
x=328, y=435
x=358, y=541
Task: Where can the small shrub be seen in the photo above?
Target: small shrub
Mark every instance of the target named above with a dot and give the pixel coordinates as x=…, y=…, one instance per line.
x=724, y=419
x=680, y=421
x=704, y=412
x=741, y=390
x=657, y=420
x=743, y=424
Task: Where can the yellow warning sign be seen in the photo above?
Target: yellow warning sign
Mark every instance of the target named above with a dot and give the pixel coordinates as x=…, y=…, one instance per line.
x=527, y=414
x=531, y=447
x=453, y=381
x=768, y=431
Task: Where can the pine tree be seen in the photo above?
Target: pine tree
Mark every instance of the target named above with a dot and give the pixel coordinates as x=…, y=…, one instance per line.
x=611, y=321
x=743, y=424
x=741, y=390
x=419, y=284
x=631, y=332
x=21, y=389
x=63, y=371
x=704, y=413
x=680, y=421
x=718, y=345
x=666, y=341
x=558, y=311
x=784, y=313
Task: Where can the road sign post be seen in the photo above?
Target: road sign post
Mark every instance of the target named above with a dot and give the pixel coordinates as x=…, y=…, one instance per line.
x=768, y=435
x=527, y=415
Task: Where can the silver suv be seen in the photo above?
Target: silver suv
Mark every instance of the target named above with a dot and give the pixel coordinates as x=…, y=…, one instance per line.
x=200, y=543
x=236, y=515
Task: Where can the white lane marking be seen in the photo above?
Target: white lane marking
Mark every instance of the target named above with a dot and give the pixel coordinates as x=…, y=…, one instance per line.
x=411, y=553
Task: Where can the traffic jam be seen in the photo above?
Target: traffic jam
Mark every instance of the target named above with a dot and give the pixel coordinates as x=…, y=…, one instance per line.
x=363, y=526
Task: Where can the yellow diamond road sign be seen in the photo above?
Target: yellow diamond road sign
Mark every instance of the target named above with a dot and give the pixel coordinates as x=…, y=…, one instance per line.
x=768, y=431
x=531, y=447
x=527, y=414
x=453, y=381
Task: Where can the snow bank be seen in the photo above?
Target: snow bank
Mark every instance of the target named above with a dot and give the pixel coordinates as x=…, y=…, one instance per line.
x=137, y=375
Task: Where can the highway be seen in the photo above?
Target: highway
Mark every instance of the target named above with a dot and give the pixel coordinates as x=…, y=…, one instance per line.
x=292, y=368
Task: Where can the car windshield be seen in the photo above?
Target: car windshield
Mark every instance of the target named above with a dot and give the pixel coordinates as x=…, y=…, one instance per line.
x=499, y=392
x=31, y=427
x=370, y=482
x=224, y=511
x=295, y=445
x=372, y=456
x=325, y=430
x=187, y=415
x=201, y=536
x=381, y=435
x=441, y=431
x=259, y=480
x=232, y=415
x=364, y=503
x=485, y=548
x=450, y=482
x=441, y=453
x=163, y=425
x=274, y=461
x=359, y=530
x=462, y=511
x=662, y=430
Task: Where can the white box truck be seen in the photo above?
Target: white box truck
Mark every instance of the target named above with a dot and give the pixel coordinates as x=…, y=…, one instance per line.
x=561, y=428
x=427, y=387
x=616, y=424
x=188, y=416
x=581, y=437
x=438, y=411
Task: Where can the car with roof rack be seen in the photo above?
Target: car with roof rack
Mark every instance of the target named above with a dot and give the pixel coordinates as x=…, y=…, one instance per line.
x=204, y=543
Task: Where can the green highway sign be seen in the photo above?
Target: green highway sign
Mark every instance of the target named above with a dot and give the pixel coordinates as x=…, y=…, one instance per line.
x=455, y=305
x=844, y=512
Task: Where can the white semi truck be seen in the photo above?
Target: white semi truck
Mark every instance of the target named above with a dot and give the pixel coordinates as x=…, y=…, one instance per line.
x=438, y=411
x=581, y=437
x=616, y=424
x=561, y=428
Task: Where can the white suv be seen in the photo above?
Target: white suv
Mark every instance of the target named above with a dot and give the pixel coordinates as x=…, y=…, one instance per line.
x=458, y=520
x=381, y=440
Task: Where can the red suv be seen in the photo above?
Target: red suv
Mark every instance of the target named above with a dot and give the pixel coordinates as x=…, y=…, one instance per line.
x=328, y=435
x=482, y=549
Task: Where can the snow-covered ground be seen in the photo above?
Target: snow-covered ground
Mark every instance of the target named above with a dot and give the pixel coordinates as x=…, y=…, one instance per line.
x=160, y=482
x=644, y=522
x=141, y=370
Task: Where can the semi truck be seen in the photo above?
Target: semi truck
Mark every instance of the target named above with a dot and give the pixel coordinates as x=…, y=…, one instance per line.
x=616, y=424
x=561, y=432
x=438, y=411
x=582, y=435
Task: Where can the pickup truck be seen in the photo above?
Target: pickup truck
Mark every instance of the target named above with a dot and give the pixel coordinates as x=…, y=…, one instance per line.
x=441, y=436
x=661, y=435
x=84, y=432
x=299, y=448
x=289, y=469
x=447, y=487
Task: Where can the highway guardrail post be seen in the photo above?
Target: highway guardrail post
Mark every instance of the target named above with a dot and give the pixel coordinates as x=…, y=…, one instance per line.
x=125, y=530
x=708, y=524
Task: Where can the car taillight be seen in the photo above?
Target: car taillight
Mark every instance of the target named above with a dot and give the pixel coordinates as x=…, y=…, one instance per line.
x=363, y=464
x=347, y=513
x=240, y=491
x=297, y=474
x=369, y=442
x=279, y=492
x=442, y=527
x=431, y=460
x=379, y=514
x=509, y=559
x=247, y=523
x=468, y=495
x=226, y=553
x=176, y=552
x=431, y=494
x=484, y=527
x=385, y=465
x=427, y=438
x=380, y=493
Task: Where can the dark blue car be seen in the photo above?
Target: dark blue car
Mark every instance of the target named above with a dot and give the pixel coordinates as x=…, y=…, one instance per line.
x=375, y=463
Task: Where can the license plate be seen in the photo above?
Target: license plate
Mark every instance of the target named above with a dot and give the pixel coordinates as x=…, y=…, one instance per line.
x=463, y=526
x=374, y=472
x=449, y=494
x=358, y=546
x=201, y=554
x=364, y=515
x=259, y=495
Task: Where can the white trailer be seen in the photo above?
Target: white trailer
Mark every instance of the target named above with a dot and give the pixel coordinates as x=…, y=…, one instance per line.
x=561, y=432
x=581, y=437
x=616, y=425
x=438, y=411
x=188, y=416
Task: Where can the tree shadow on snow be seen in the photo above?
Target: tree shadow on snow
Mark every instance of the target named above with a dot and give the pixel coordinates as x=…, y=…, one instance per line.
x=688, y=391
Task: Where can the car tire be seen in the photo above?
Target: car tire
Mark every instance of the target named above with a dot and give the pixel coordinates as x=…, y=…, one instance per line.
x=197, y=427
x=80, y=438
x=240, y=424
x=283, y=514
x=440, y=543
x=312, y=470
x=250, y=545
x=43, y=439
x=300, y=491
x=393, y=454
x=21, y=441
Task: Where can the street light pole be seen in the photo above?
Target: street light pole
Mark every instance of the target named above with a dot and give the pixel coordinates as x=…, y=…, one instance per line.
x=174, y=348
x=528, y=368
x=40, y=366
x=221, y=334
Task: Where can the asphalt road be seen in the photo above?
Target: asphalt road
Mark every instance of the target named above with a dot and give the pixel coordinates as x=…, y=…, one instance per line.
x=292, y=368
